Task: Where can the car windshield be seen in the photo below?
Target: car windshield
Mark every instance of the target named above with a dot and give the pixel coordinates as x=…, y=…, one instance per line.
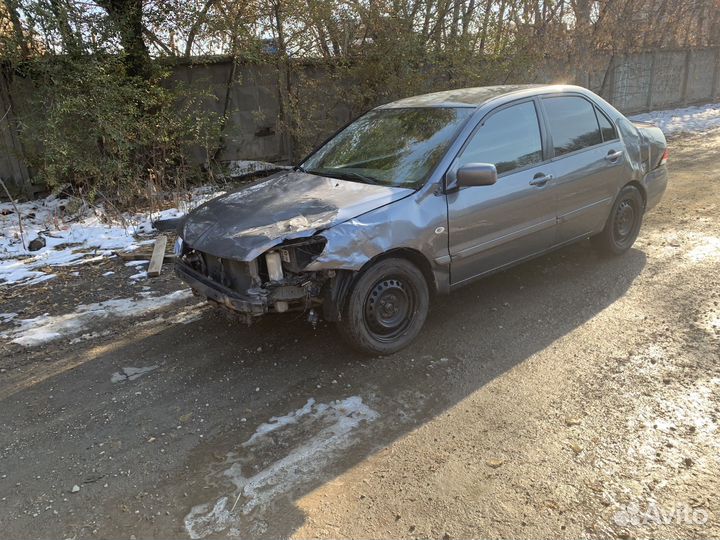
x=390, y=147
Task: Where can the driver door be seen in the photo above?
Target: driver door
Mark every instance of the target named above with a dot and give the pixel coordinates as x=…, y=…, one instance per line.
x=494, y=226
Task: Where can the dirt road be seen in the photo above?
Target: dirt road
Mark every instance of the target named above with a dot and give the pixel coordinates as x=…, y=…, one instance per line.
x=571, y=396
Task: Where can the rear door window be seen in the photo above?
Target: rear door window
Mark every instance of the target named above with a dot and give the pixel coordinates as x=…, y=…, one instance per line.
x=509, y=139
x=573, y=124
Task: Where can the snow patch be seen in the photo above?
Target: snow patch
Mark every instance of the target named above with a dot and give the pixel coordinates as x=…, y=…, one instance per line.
x=684, y=120
x=88, y=336
x=280, y=421
x=16, y=271
x=327, y=429
x=704, y=247
x=7, y=317
x=45, y=328
x=86, y=235
x=131, y=373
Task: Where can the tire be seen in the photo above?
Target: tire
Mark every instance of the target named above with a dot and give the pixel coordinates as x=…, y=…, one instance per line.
x=623, y=224
x=386, y=308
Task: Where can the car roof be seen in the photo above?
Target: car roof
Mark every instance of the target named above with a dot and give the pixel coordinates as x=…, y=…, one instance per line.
x=474, y=97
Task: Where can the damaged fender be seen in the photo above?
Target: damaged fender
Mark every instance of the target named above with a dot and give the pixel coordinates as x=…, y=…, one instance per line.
x=419, y=225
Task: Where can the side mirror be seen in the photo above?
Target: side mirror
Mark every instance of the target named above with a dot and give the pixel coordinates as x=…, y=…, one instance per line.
x=476, y=174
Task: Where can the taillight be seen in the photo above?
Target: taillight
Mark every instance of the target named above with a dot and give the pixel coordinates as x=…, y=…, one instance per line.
x=665, y=157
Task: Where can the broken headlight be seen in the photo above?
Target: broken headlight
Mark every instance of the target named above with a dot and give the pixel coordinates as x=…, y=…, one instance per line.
x=297, y=254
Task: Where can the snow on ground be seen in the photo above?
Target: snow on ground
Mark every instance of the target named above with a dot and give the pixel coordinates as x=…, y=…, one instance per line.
x=84, y=234
x=45, y=328
x=322, y=431
x=685, y=120
x=277, y=422
x=71, y=238
x=140, y=275
x=131, y=373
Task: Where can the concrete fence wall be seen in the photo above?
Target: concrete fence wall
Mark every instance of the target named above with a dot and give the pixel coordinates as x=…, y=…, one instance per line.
x=13, y=171
x=253, y=106
x=251, y=103
x=662, y=79
x=633, y=83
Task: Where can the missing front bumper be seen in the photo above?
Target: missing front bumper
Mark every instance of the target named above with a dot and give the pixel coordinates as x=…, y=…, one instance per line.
x=204, y=286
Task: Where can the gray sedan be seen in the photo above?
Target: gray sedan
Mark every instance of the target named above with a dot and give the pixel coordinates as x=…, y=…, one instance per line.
x=420, y=197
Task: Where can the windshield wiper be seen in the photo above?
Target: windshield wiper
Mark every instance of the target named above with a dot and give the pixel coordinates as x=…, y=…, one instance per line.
x=341, y=174
x=352, y=175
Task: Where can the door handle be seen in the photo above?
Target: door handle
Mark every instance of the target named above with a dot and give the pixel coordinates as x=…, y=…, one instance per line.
x=540, y=179
x=613, y=155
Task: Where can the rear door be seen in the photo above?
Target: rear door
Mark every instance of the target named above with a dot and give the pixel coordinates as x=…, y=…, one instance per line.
x=589, y=160
x=493, y=226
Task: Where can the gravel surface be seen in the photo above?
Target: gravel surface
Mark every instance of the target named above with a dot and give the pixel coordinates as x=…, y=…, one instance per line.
x=571, y=396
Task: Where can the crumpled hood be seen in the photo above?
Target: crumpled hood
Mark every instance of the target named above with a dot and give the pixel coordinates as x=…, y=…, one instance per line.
x=244, y=223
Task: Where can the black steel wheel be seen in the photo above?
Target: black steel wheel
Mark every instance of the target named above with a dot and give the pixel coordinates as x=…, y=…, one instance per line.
x=389, y=308
x=623, y=224
x=386, y=308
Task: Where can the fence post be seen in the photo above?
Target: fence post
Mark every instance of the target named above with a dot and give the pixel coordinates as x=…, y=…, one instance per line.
x=686, y=76
x=611, y=79
x=651, y=81
x=716, y=73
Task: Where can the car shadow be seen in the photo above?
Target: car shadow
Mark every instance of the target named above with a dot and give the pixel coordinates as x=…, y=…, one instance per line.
x=215, y=381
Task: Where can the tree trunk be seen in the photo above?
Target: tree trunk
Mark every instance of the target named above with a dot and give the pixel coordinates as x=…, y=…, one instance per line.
x=127, y=18
x=284, y=83
x=17, y=27
x=199, y=21
x=70, y=44
x=582, y=9
x=485, y=26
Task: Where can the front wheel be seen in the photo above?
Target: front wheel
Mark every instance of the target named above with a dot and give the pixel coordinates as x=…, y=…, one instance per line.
x=623, y=225
x=386, y=308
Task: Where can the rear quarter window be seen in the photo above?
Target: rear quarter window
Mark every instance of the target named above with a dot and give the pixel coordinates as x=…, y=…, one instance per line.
x=606, y=126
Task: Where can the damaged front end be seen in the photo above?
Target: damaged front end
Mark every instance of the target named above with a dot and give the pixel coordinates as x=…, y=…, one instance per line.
x=253, y=250
x=274, y=282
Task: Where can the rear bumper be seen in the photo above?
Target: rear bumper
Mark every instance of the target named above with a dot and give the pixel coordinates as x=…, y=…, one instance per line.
x=220, y=294
x=655, y=184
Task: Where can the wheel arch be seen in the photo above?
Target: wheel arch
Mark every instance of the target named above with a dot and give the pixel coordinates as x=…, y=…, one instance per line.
x=412, y=255
x=356, y=322
x=341, y=286
x=605, y=240
x=640, y=187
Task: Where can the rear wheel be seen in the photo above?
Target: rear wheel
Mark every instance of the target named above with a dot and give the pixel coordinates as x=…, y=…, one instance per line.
x=386, y=308
x=623, y=224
